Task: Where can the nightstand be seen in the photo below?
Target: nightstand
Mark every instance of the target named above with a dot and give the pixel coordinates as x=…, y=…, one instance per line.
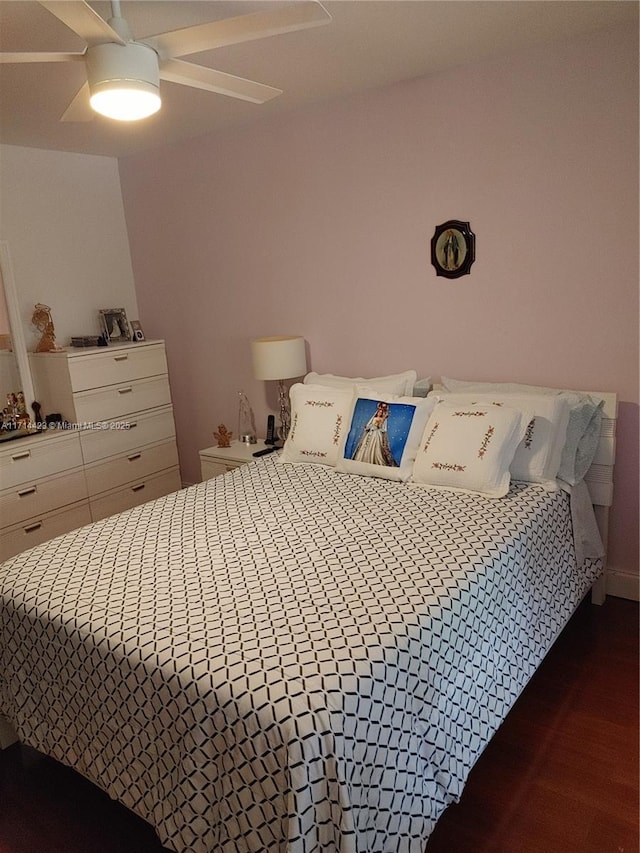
x=218, y=460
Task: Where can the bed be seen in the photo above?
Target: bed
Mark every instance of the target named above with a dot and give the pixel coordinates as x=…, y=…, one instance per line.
x=292, y=658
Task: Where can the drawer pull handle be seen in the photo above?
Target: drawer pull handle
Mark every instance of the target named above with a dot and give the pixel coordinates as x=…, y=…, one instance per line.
x=18, y=456
x=30, y=491
x=120, y=357
x=33, y=527
x=134, y=457
x=125, y=390
x=137, y=488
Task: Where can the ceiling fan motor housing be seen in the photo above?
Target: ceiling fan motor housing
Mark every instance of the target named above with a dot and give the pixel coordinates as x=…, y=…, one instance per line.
x=133, y=66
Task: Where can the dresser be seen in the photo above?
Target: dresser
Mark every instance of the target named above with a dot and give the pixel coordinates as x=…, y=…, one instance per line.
x=118, y=401
x=218, y=460
x=43, y=491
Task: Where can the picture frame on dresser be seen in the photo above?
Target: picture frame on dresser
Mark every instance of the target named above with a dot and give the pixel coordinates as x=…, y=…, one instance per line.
x=114, y=325
x=137, y=332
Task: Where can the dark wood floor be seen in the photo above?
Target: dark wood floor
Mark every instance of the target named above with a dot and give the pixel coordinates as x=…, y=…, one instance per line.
x=561, y=775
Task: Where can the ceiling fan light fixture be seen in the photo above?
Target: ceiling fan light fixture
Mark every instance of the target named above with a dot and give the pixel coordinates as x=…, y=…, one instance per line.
x=125, y=100
x=123, y=81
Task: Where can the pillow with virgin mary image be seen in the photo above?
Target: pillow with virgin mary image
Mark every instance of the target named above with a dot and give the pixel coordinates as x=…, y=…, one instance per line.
x=384, y=435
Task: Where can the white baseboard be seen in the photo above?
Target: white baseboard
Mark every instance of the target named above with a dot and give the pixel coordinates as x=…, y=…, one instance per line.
x=623, y=585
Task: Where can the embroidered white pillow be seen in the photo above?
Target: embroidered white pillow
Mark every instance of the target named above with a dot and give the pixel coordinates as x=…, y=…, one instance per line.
x=384, y=435
x=583, y=430
x=320, y=418
x=468, y=448
x=394, y=383
x=538, y=455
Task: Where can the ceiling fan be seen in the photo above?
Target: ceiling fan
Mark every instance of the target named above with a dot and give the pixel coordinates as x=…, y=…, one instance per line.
x=123, y=73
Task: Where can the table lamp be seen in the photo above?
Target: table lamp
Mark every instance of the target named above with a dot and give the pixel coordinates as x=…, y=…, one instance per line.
x=279, y=358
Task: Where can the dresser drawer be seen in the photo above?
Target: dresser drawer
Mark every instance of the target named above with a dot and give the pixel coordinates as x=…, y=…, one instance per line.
x=135, y=493
x=115, y=401
x=115, y=365
x=19, y=537
x=136, y=465
x=30, y=499
x=146, y=428
x=28, y=459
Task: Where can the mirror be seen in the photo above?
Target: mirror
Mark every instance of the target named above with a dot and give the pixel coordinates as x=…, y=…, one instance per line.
x=14, y=362
x=9, y=376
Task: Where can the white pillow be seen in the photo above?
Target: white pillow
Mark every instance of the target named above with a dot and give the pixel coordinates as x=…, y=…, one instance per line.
x=395, y=383
x=384, y=435
x=537, y=457
x=583, y=436
x=422, y=387
x=469, y=448
x=320, y=418
x=583, y=429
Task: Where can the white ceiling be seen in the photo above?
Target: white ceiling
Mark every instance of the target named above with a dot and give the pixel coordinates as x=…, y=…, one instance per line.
x=368, y=43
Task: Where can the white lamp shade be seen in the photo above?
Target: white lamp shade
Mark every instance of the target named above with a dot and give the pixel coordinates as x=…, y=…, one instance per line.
x=279, y=357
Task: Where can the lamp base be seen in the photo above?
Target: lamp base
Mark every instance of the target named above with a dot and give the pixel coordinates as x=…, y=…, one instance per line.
x=285, y=412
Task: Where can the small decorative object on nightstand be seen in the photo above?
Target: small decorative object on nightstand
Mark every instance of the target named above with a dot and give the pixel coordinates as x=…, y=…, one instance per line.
x=246, y=420
x=223, y=436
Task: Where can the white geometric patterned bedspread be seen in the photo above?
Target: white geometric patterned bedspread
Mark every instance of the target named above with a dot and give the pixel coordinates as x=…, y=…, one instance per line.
x=286, y=659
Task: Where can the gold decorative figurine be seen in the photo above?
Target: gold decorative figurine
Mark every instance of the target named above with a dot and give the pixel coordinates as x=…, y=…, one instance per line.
x=223, y=436
x=41, y=319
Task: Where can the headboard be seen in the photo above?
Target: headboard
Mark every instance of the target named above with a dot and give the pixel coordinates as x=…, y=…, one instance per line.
x=599, y=478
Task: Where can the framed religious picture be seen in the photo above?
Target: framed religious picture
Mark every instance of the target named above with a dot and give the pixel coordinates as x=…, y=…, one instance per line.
x=453, y=248
x=114, y=325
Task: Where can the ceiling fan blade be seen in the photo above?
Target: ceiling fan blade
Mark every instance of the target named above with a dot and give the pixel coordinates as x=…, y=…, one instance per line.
x=7, y=58
x=198, y=77
x=236, y=30
x=82, y=19
x=79, y=109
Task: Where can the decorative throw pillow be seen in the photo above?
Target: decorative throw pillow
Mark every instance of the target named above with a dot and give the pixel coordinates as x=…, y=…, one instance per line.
x=583, y=429
x=467, y=448
x=384, y=434
x=320, y=418
x=395, y=383
x=537, y=457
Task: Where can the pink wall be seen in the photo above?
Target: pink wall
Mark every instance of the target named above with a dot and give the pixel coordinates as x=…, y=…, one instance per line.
x=319, y=223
